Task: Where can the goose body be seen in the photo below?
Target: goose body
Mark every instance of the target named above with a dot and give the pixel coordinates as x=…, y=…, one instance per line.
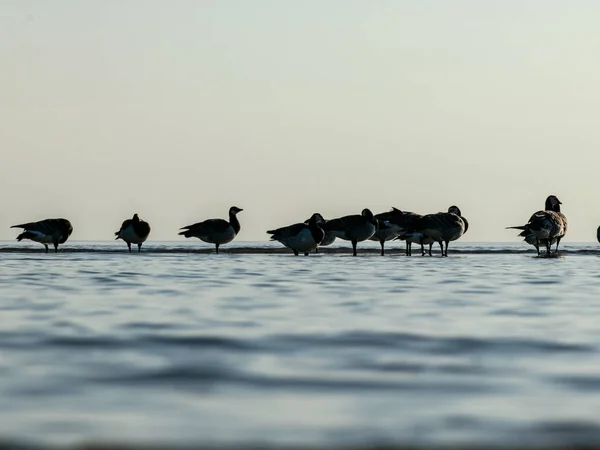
x=545, y=227
x=48, y=231
x=134, y=231
x=215, y=231
x=300, y=237
x=386, y=230
x=442, y=227
x=354, y=228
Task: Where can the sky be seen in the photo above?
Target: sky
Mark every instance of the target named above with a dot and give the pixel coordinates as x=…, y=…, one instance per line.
x=177, y=110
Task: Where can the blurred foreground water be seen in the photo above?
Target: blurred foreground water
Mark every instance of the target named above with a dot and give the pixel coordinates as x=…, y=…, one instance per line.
x=177, y=349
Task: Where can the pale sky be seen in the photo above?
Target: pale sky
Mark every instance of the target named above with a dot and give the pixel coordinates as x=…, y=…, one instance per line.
x=179, y=109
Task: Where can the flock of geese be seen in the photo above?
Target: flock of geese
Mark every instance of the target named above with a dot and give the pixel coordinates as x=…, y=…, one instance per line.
x=544, y=229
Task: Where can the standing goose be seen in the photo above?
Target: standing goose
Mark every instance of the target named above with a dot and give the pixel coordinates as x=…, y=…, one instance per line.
x=354, y=228
x=329, y=237
x=545, y=227
x=215, y=231
x=406, y=220
x=134, y=231
x=48, y=231
x=386, y=229
x=300, y=237
x=440, y=227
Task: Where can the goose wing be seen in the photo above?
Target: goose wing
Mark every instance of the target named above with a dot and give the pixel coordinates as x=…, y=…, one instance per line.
x=344, y=223
x=48, y=226
x=124, y=225
x=142, y=229
x=288, y=231
x=207, y=227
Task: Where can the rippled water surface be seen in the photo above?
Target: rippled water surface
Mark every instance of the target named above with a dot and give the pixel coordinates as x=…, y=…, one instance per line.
x=489, y=348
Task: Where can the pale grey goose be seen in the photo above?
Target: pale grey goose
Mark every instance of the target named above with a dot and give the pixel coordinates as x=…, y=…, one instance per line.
x=354, y=228
x=300, y=237
x=215, y=231
x=133, y=231
x=547, y=226
x=48, y=231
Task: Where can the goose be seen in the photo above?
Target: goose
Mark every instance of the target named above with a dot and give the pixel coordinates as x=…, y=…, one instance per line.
x=215, y=231
x=300, y=237
x=354, y=228
x=405, y=220
x=48, y=231
x=598, y=234
x=545, y=227
x=134, y=231
x=440, y=227
x=329, y=237
x=386, y=230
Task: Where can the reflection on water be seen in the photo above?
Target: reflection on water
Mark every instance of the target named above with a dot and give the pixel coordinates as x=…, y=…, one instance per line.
x=234, y=349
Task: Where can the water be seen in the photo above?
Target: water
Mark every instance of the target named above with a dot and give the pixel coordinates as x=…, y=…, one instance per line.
x=484, y=347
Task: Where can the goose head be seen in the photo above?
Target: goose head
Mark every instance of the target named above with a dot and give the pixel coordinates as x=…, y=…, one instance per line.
x=318, y=219
x=367, y=214
x=454, y=210
x=553, y=203
x=315, y=219
x=234, y=210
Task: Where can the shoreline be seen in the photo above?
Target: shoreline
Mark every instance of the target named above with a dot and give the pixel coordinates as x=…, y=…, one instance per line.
x=286, y=251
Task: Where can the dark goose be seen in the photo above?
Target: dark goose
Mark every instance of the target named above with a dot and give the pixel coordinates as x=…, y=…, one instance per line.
x=300, y=237
x=215, y=231
x=406, y=221
x=133, y=231
x=386, y=229
x=441, y=227
x=354, y=228
x=545, y=227
x=48, y=231
x=329, y=236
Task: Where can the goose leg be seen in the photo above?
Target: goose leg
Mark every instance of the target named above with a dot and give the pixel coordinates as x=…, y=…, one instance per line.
x=422, y=248
x=295, y=252
x=139, y=248
x=317, y=250
x=548, y=246
x=382, y=242
x=217, y=248
x=46, y=245
x=442, y=247
x=557, y=242
x=129, y=246
x=430, y=247
x=305, y=253
x=354, y=248
x=56, y=247
x=446, y=248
